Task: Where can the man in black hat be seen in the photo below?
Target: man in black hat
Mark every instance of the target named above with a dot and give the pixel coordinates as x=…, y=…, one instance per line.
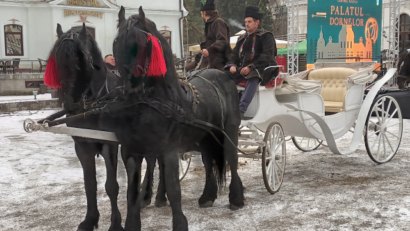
x=216, y=45
x=254, y=52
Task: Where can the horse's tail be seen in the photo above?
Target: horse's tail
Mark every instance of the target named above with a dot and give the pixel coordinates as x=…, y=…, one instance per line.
x=219, y=166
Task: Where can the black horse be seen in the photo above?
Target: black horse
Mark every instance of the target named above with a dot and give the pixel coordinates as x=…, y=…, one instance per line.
x=83, y=76
x=403, y=70
x=159, y=120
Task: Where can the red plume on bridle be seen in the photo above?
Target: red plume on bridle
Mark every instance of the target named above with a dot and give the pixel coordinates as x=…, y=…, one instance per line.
x=51, y=75
x=157, y=65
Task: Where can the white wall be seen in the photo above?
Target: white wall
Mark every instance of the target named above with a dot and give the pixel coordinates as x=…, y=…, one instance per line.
x=39, y=20
x=172, y=5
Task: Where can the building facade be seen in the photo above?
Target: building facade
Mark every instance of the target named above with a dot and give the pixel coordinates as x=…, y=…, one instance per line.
x=28, y=27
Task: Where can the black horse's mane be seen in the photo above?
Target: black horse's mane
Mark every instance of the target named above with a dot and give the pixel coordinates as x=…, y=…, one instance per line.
x=133, y=29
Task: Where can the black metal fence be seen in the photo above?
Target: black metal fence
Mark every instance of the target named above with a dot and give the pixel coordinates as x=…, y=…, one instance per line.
x=16, y=66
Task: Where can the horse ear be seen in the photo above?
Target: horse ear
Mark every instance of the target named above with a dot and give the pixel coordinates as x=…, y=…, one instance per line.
x=121, y=15
x=59, y=30
x=83, y=33
x=141, y=14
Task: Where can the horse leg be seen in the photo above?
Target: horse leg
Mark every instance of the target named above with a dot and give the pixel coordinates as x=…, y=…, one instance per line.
x=110, y=153
x=236, y=197
x=161, y=199
x=133, y=168
x=148, y=182
x=86, y=154
x=171, y=173
x=210, y=192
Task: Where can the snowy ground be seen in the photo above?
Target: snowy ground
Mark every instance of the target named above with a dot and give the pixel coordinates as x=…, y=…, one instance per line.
x=41, y=188
x=20, y=98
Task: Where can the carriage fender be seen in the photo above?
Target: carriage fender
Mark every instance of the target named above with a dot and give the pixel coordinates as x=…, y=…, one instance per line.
x=361, y=119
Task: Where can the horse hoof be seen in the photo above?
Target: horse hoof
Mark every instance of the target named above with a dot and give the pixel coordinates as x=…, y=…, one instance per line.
x=207, y=204
x=144, y=204
x=87, y=229
x=116, y=229
x=82, y=229
x=160, y=204
x=235, y=207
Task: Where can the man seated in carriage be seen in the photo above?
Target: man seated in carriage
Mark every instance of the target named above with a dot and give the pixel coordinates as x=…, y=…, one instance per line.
x=254, y=51
x=216, y=46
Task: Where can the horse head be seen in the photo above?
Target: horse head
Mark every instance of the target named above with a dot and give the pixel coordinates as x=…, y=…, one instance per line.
x=142, y=53
x=74, y=62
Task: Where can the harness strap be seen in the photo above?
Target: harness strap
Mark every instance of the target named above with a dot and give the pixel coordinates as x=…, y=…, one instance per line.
x=222, y=103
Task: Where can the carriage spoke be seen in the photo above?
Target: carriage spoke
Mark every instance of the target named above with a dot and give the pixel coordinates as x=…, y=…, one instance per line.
x=383, y=112
x=277, y=147
x=377, y=113
x=277, y=138
x=394, y=124
x=301, y=142
x=374, y=132
x=384, y=146
x=375, y=124
x=276, y=175
x=392, y=134
x=378, y=148
x=278, y=165
x=388, y=107
x=388, y=141
x=375, y=141
x=391, y=116
x=272, y=177
x=269, y=166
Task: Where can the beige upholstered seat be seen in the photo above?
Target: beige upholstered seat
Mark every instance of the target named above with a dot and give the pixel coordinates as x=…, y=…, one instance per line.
x=334, y=87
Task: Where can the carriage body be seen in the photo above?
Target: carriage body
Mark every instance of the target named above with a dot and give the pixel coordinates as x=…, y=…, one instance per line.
x=271, y=107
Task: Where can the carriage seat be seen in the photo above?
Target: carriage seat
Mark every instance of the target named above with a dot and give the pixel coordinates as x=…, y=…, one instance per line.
x=334, y=87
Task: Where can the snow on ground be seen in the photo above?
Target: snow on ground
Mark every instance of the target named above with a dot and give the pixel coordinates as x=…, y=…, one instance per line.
x=41, y=188
x=20, y=98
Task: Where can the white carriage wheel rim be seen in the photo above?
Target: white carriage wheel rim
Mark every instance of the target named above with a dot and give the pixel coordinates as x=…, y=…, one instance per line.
x=274, y=169
x=183, y=167
x=380, y=129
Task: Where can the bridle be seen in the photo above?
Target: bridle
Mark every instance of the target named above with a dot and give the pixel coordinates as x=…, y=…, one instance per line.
x=85, y=103
x=86, y=52
x=148, y=57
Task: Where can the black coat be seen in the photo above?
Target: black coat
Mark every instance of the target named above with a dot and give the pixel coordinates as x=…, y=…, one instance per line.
x=264, y=55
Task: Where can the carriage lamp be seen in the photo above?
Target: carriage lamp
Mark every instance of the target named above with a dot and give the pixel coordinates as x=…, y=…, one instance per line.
x=35, y=94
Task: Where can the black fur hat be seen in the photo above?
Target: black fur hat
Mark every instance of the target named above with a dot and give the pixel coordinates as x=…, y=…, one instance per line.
x=207, y=5
x=253, y=11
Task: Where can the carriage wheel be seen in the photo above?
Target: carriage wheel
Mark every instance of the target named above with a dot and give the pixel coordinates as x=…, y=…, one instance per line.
x=382, y=135
x=306, y=144
x=274, y=158
x=184, y=163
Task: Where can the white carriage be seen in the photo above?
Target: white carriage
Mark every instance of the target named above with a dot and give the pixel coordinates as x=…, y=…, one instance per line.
x=321, y=104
